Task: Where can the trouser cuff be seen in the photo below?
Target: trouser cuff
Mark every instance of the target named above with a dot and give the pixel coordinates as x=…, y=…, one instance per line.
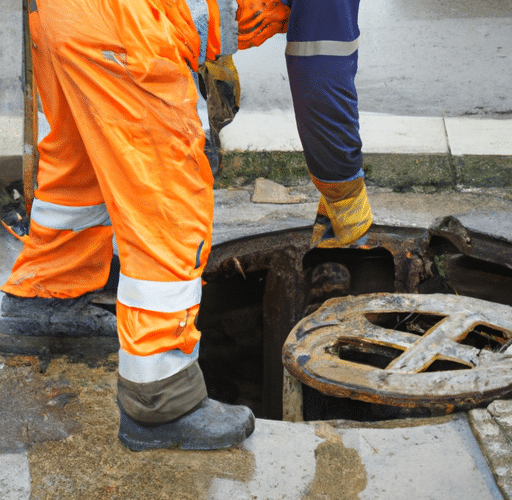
x=164, y=400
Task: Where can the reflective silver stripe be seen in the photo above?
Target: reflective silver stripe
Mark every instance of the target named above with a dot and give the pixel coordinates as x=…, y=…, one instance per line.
x=322, y=48
x=228, y=26
x=145, y=369
x=200, y=15
x=160, y=296
x=64, y=217
x=114, y=245
x=112, y=56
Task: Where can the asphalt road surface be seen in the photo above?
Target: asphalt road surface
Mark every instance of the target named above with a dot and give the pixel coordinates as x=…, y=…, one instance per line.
x=417, y=58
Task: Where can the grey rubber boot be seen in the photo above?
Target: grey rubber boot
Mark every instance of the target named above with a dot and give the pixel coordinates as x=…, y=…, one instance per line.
x=211, y=426
x=55, y=317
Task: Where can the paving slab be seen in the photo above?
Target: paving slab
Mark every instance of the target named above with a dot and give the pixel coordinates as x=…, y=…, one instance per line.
x=276, y=130
x=495, y=440
x=439, y=459
x=256, y=130
x=11, y=135
x=402, y=134
x=14, y=476
x=479, y=136
x=419, y=458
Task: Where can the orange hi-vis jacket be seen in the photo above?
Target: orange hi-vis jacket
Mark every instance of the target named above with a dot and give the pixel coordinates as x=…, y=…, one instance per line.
x=125, y=155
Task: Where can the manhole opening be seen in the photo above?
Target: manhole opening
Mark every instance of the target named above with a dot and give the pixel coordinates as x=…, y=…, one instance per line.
x=409, y=322
x=370, y=270
x=485, y=337
x=369, y=354
x=444, y=365
x=244, y=298
x=231, y=354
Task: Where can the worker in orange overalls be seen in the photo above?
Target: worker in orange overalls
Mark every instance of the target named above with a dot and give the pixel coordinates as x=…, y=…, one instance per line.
x=117, y=81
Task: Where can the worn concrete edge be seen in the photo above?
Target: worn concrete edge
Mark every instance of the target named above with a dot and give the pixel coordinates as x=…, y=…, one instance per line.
x=495, y=446
x=400, y=172
x=17, y=471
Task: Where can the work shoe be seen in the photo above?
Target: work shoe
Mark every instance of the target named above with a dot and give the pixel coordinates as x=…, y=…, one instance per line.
x=36, y=317
x=211, y=426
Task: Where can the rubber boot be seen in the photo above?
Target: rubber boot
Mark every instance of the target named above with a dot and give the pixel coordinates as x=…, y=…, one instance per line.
x=210, y=426
x=35, y=316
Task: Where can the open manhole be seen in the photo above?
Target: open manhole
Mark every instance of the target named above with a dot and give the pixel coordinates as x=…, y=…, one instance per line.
x=257, y=289
x=257, y=292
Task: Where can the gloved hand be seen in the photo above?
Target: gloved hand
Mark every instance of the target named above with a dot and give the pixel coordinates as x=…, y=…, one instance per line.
x=343, y=215
x=258, y=20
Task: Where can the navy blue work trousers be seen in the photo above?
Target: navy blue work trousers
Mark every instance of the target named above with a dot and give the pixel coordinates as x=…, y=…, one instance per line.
x=321, y=57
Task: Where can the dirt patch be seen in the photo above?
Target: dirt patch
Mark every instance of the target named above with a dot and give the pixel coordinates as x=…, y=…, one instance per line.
x=340, y=473
x=34, y=408
x=91, y=463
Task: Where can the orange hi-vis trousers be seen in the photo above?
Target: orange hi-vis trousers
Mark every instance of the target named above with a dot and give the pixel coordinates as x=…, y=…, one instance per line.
x=125, y=152
x=125, y=155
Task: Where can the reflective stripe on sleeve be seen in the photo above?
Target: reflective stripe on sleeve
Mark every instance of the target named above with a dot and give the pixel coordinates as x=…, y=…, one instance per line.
x=55, y=216
x=322, y=48
x=159, y=296
x=228, y=26
x=200, y=15
x=145, y=369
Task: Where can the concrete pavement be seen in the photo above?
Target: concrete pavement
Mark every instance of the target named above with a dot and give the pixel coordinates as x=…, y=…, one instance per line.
x=58, y=428
x=68, y=449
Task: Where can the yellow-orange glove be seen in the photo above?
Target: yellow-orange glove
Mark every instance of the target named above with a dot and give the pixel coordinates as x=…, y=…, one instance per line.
x=258, y=20
x=343, y=215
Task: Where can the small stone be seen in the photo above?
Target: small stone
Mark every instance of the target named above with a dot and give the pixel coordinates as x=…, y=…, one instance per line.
x=61, y=400
x=267, y=191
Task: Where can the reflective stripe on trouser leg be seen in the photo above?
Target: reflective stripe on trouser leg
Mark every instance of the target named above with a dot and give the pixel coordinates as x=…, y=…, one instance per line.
x=154, y=317
x=68, y=251
x=67, y=254
x=162, y=386
x=75, y=218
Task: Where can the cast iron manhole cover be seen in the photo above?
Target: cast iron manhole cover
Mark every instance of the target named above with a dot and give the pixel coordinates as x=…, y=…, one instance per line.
x=405, y=350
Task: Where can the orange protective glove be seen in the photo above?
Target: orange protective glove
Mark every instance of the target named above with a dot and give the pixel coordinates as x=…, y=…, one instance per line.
x=258, y=20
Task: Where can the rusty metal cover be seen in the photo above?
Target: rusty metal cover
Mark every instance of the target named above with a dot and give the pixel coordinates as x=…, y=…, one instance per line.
x=441, y=351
